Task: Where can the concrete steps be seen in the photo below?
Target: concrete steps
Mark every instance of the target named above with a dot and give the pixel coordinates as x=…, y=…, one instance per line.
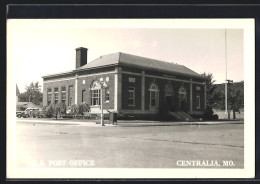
x=181, y=116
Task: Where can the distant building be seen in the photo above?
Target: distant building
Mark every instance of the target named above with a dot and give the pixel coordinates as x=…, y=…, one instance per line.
x=135, y=85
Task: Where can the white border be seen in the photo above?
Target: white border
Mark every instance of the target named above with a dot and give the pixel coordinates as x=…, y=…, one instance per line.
x=249, y=125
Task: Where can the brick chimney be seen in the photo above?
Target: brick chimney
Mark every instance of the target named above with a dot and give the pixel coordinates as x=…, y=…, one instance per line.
x=81, y=56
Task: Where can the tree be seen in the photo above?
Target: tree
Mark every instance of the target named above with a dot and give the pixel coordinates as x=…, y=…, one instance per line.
x=235, y=97
x=210, y=87
x=33, y=94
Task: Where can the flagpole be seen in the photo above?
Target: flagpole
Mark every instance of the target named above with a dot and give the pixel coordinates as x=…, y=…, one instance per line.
x=226, y=72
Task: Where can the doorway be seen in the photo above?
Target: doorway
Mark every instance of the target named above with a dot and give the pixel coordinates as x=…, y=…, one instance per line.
x=168, y=102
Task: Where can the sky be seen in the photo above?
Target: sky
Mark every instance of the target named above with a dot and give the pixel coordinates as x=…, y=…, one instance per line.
x=40, y=47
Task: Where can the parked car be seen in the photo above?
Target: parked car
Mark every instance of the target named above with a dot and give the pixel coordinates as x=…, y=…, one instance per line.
x=29, y=112
x=19, y=114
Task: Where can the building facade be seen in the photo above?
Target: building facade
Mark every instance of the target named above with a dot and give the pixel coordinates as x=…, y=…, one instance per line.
x=134, y=85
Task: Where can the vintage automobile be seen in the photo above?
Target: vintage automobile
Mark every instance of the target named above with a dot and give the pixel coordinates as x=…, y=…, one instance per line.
x=29, y=112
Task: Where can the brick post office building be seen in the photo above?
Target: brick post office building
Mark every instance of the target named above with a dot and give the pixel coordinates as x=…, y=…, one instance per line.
x=135, y=85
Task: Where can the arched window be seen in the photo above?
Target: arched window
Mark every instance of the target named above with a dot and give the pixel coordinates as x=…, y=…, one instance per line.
x=183, y=93
x=95, y=93
x=168, y=90
x=154, y=95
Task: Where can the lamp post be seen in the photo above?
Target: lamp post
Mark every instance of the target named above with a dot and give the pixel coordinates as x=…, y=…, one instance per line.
x=103, y=85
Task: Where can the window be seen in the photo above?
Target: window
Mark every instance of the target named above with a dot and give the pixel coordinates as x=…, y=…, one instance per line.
x=70, y=96
x=182, y=94
x=198, y=88
x=95, y=93
x=56, y=95
x=154, y=95
x=198, y=101
x=131, y=96
x=168, y=90
x=83, y=96
x=63, y=95
x=154, y=98
x=95, y=97
x=131, y=79
x=107, y=94
x=49, y=96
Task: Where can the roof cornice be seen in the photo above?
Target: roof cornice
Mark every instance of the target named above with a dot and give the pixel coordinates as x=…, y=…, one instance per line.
x=160, y=70
x=92, y=68
x=58, y=74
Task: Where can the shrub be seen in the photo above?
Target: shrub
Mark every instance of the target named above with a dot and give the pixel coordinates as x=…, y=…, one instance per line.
x=83, y=108
x=58, y=109
x=80, y=109
x=209, y=114
x=74, y=109
x=215, y=117
x=47, y=111
x=63, y=108
x=163, y=114
x=53, y=110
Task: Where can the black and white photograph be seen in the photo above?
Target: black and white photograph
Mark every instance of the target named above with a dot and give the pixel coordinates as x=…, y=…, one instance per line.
x=130, y=98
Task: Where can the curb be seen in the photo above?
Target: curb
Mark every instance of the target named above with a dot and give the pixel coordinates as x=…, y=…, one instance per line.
x=123, y=124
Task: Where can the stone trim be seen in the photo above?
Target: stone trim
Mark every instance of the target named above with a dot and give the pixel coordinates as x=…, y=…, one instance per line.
x=91, y=75
x=159, y=77
x=57, y=80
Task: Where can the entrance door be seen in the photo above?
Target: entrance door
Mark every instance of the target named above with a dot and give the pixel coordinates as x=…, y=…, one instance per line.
x=168, y=102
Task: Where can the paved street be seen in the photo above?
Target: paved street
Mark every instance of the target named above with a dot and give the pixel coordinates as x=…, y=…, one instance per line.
x=145, y=145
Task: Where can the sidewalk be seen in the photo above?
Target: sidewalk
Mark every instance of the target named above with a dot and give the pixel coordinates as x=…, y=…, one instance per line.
x=123, y=123
x=70, y=122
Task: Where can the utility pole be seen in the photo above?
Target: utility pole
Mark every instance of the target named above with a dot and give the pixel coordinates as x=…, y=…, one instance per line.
x=226, y=72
